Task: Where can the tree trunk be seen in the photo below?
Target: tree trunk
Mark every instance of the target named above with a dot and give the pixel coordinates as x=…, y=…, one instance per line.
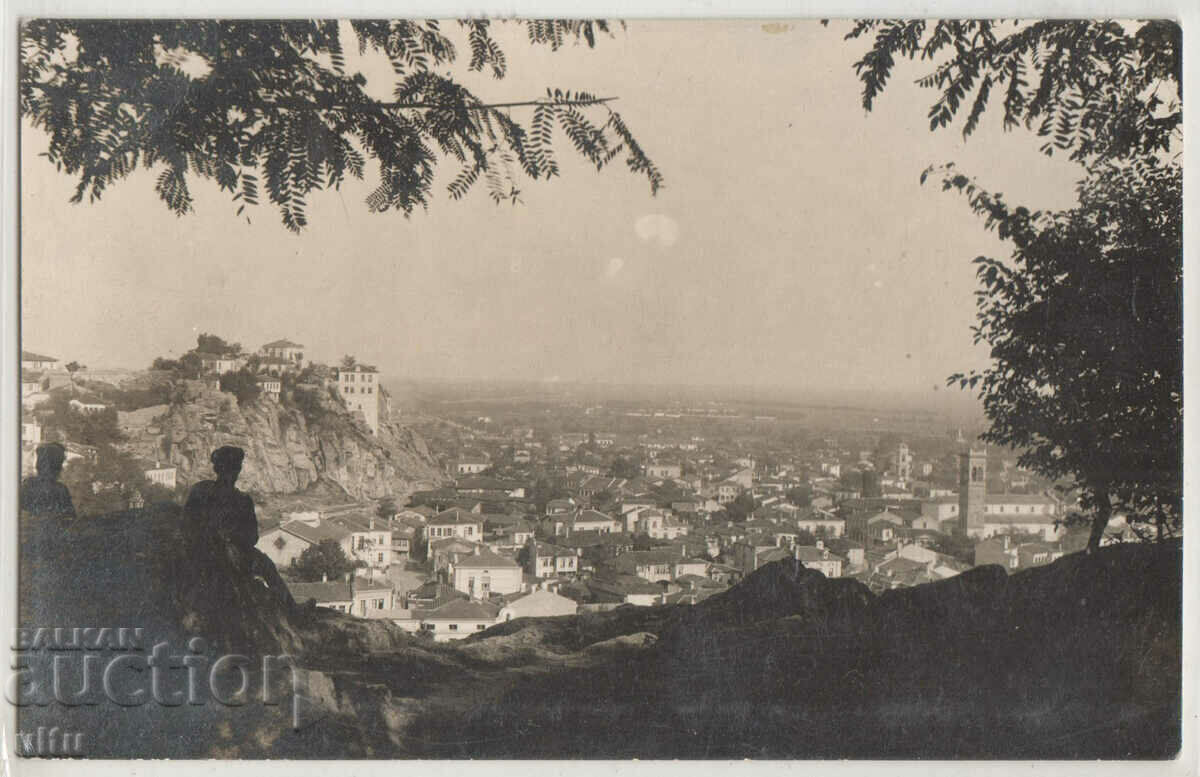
x=1100, y=521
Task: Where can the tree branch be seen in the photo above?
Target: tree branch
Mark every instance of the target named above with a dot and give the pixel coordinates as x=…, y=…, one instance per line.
x=293, y=103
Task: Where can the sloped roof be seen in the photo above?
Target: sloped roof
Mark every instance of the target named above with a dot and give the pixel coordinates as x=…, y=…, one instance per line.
x=547, y=549
x=30, y=356
x=314, y=534
x=455, y=516
x=462, y=610
x=593, y=516
x=810, y=553
x=283, y=344
x=542, y=604
x=774, y=554
x=332, y=591
x=624, y=585
x=485, y=559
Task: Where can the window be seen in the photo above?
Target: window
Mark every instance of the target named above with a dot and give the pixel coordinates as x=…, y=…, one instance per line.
x=380, y=559
x=453, y=627
x=481, y=627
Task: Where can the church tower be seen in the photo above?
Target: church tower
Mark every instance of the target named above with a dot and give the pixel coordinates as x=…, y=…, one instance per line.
x=972, y=491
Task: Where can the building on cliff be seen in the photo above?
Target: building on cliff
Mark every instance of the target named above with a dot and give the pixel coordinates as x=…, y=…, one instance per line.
x=358, y=386
x=284, y=353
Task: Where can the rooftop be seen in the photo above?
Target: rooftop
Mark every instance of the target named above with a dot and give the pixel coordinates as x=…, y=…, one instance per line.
x=332, y=591
x=485, y=559
x=462, y=609
x=314, y=534
x=455, y=516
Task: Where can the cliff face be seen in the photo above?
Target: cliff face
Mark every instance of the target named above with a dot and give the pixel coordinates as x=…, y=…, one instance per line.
x=285, y=450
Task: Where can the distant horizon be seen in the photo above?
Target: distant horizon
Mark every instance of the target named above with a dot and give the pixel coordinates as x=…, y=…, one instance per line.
x=962, y=401
x=789, y=247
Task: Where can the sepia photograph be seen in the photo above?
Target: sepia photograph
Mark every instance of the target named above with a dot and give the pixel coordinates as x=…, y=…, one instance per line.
x=699, y=389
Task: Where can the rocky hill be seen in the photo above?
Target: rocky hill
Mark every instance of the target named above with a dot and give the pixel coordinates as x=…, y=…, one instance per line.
x=287, y=449
x=1079, y=659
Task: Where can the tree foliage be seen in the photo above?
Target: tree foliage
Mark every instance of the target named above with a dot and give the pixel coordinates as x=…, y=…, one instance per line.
x=209, y=343
x=90, y=428
x=267, y=108
x=1085, y=326
x=740, y=508
x=326, y=559
x=242, y=384
x=1097, y=89
x=1085, y=319
x=107, y=482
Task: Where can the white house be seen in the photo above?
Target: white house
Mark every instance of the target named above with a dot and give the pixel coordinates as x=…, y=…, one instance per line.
x=472, y=464
x=455, y=522
x=358, y=386
x=270, y=385
x=821, y=559
x=457, y=619
x=87, y=408
x=822, y=522
x=35, y=361
x=286, y=351
x=285, y=542
x=160, y=475
x=220, y=363
x=485, y=572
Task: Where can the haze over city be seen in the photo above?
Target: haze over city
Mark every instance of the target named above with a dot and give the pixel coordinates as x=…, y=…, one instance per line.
x=792, y=246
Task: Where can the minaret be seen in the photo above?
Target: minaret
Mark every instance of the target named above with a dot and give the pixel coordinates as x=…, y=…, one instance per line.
x=972, y=490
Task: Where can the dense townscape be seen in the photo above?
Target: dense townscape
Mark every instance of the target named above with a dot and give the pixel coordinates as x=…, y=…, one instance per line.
x=541, y=510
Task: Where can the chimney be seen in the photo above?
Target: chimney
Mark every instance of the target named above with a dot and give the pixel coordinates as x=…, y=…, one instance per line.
x=371, y=523
x=324, y=578
x=476, y=549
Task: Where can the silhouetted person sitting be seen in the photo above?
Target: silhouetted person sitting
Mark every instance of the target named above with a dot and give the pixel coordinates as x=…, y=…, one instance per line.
x=217, y=510
x=219, y=507
x=42, y=495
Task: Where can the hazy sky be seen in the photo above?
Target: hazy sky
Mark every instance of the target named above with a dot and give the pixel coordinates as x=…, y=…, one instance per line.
x=792, y=245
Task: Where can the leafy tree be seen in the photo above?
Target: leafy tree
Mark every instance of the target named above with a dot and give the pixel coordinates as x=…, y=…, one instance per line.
x=241, y=101
x=544, y=490
x=95, y=429
x=1085, y=325
x=166, y=365
x=206, y=343
x=741, y=508
x=326, y=558
x=386, y=508
x=622, y=467
x=190, y=365
x=242, y=384
x=801, y=496
x=75, y=367
x=1085, y=319
x=107, y=483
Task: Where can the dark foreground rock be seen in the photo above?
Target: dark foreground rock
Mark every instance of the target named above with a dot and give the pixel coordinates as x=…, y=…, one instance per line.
x=1080, y=659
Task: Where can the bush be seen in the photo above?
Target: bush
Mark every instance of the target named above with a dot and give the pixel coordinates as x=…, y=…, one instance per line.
x=242, y=384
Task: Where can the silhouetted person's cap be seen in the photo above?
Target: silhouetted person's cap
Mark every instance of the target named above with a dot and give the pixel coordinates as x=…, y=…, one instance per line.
x=50, y=458
x=228, y=458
